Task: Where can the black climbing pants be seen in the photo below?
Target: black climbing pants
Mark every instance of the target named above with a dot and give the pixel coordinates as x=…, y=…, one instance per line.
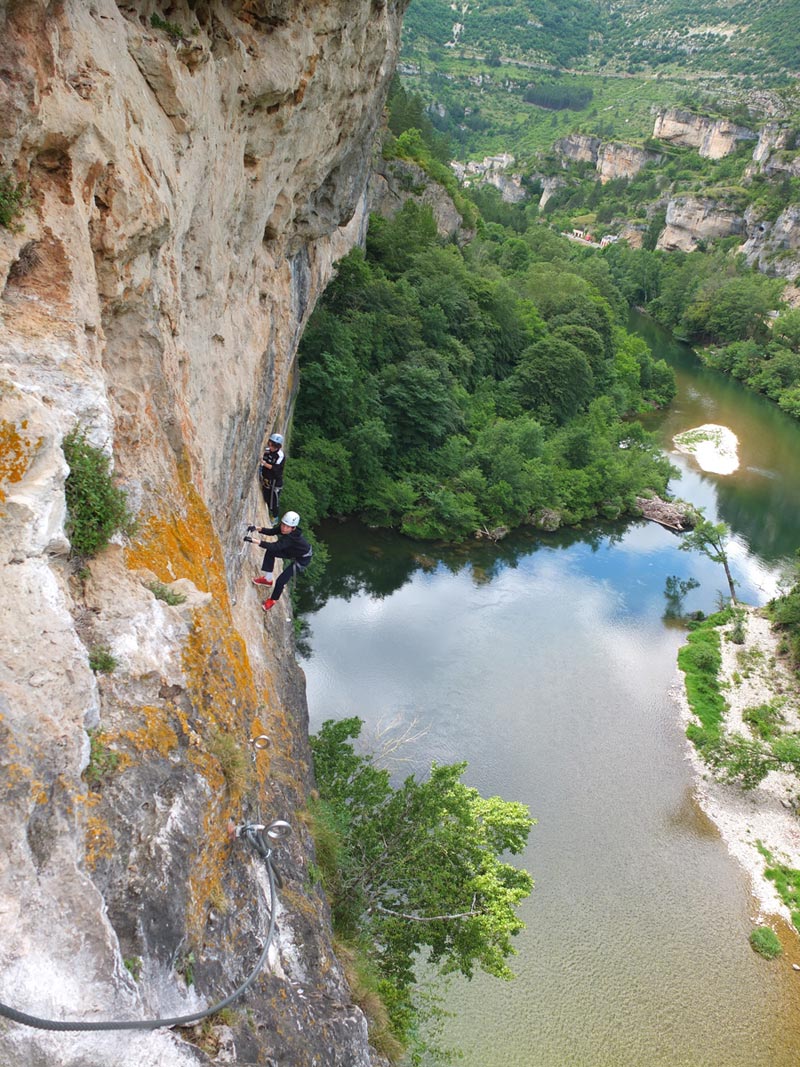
x=294, y=566
x=272, y=495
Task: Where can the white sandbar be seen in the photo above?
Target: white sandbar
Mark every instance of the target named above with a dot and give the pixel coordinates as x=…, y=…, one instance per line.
x=714, y=447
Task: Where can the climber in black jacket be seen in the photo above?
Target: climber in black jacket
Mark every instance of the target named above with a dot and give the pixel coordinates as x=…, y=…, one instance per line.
x=291, y=545
x=270, y=473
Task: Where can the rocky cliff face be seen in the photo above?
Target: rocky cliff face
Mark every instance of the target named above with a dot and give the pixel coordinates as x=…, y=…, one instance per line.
x=774, y=247
x=610, y=159
x=620, y=160
x=396, y=181
x=693, y=219
x=192, y=178
x=713, y=138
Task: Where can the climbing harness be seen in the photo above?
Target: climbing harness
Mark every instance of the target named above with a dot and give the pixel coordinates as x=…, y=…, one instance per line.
x=260, y=838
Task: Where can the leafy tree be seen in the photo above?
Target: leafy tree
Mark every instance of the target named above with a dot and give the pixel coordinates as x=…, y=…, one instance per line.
x=732, y=309
x=555, y=376
x=709, y=538
x=417, y=868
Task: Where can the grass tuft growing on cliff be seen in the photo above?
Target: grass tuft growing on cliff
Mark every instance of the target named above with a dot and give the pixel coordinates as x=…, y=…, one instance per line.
x=103, y=761
x=96, y=507
x=102, y=660
x=235, y=764
x=163, y=592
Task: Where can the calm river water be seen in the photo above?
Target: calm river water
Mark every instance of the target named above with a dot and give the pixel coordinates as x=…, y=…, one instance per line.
x=546, y=662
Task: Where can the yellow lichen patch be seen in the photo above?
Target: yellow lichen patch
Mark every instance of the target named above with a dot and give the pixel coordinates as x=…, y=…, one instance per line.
x=16, y=452
x=156, y=735
x=219, y=683
x=99, y=841
x=206, y=878
x=183, y=545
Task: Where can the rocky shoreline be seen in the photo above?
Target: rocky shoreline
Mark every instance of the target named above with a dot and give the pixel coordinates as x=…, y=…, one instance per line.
x=753, y=674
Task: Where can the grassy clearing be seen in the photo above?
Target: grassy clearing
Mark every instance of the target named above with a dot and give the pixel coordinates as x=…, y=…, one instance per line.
x=700, y=660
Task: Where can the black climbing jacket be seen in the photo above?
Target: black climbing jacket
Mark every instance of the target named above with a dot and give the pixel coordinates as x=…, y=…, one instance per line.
x=288, y=546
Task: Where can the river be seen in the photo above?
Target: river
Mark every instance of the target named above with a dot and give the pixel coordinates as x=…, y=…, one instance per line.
x=546, y=662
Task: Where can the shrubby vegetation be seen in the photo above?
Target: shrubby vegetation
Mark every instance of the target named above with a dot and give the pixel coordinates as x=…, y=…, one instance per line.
x=96, y=507
x=558, y=95
x=716, y=301
x=13, y=201
x=765, y=942
x=447, y=389
x=671, y=36
x=415, y=871
x=745, y=759
x=784, y=611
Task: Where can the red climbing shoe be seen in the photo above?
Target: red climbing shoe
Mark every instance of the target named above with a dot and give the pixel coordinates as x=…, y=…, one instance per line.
x=268, y=604
x=262, y=581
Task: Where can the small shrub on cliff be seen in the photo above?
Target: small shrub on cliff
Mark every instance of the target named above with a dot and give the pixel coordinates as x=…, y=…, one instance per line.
x=13, y=201
x=172, y=29
x=103, y=761
x=163, y=592
x=96, y=508
x=101, y=659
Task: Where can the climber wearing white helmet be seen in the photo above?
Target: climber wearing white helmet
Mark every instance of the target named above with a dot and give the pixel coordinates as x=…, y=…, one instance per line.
x=271, y=473
x=291, y=545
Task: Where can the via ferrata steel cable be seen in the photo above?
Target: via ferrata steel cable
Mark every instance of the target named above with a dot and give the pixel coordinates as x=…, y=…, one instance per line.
x=252, y=834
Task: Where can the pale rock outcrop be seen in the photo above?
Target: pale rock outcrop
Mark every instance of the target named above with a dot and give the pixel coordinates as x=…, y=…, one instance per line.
x=493, y=170
x=713, y=138
x=189, y=194
x=578, y=148
x=776, y=151
x=692, y=219
x=550, y=186
x=774, y=247
x=620, y=160
x=611, y=159
x=394, y=182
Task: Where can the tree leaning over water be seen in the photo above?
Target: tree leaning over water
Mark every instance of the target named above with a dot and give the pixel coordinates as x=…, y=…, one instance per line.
x=709, y=538
x=414, y=871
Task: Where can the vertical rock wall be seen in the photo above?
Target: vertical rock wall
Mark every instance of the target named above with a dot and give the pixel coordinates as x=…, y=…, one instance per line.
x=192, y=171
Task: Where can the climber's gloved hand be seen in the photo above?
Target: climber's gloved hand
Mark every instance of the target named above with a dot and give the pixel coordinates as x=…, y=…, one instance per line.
x=246, y=538
x=250, y=529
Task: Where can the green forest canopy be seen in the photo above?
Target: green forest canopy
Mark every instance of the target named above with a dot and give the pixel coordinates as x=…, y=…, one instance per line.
x=447, y=389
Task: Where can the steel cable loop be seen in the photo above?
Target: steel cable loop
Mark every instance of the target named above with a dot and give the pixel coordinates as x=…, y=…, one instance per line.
x=179, y=1020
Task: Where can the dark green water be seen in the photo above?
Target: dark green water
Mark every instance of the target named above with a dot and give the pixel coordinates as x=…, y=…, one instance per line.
x=547, y=664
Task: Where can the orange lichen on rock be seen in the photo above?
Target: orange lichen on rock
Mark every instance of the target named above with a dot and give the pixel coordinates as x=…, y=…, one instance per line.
x=156, y=735
x=16, y=452
x=219, y=678
x=183, y=544
x=99, y=841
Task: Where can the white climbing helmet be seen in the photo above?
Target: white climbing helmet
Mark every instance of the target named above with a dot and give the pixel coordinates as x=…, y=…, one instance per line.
x=277, y=438
x=291, y=518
